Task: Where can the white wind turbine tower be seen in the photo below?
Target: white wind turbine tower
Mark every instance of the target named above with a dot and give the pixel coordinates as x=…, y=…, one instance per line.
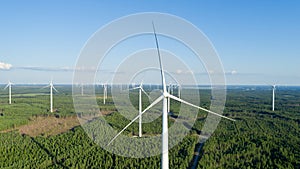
x=81, y=89
x=171, y=88
x=104, y=92
x=168, y=109
x=273, y=97
x=9, y=91
x=164, y=97
x=171, y=91
x=179, y=90
x=140, y=105
x=51, y=95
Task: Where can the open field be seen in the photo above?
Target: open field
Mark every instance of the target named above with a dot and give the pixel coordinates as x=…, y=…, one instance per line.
x=48, y=126
x=259, y=138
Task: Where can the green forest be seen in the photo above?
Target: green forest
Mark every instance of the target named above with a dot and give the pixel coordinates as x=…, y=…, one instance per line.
x=259, y=138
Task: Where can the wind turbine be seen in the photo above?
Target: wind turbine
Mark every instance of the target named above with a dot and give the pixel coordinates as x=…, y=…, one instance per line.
x=168, y=109
x=273, y=97
x=164, y=97
x=9, y=91
x=140, y=105
x=51, y=95
x=81, y=89
x=104, y=92
x=179, y=90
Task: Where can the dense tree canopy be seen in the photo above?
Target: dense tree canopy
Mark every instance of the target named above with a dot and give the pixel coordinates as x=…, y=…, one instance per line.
x=260, y=138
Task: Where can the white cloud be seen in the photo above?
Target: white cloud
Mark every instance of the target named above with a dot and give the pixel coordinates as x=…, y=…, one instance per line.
x=5, y=66
x=233, y=72
x=57, y=69
x=210, y=71
x=182, y=72
x=178, y=71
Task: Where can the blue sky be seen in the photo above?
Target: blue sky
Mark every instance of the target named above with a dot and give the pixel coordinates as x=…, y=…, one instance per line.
x=257, y=40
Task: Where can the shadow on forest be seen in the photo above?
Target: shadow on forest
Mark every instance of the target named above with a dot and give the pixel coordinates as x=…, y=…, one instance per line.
x=197, y=153
x=54, y=159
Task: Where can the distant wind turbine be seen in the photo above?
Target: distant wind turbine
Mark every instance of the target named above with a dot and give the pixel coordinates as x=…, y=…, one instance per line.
x=273, y=97
x=81, y=89
x=104, y=92
x=164, y=97
x=9, y=91
x=51, y=95
x=140, y=105
x=179, y=90
x=168, y=109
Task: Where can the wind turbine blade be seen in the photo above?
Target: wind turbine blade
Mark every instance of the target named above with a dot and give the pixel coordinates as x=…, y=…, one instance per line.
x=141, y=85
x=6, y=86
x=145, y=93
x=160, y=62
x=45, y=87
x=55, y=89
x=151, y=105
x=201, y=108
x=134, y=88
